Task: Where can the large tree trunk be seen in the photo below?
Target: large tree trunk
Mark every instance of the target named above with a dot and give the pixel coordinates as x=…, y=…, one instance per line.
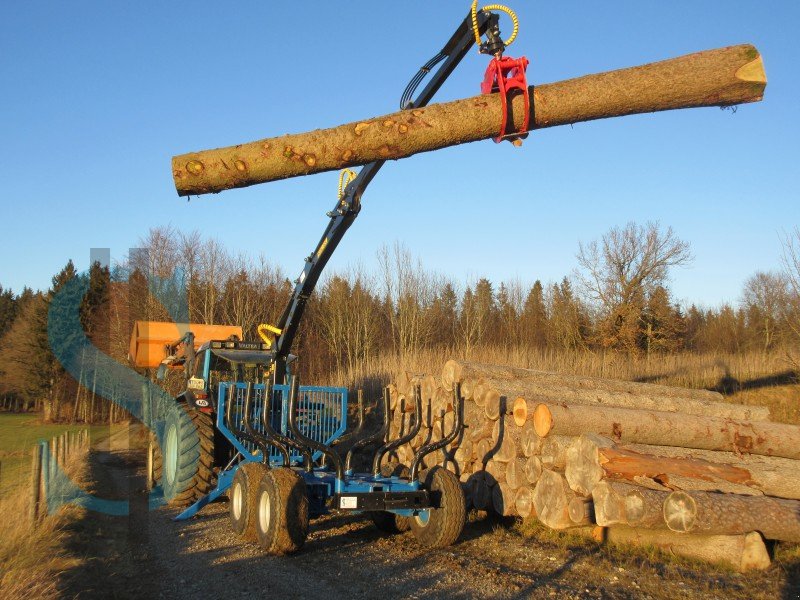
x=703, y=512
x=460, y=371
x=771, y=475
x=720, y=77
x=742, y=552
x=669, y=429
x=523, y=397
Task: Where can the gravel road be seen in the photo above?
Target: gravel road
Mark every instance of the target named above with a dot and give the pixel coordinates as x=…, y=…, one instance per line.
x=147, y=555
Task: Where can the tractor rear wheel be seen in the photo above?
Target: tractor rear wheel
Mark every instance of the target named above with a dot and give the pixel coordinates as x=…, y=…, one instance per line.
x=243, y=497
x=153, y=461
x=386, y=521
x=187, y=456
x=282, y=511
x=441, y=526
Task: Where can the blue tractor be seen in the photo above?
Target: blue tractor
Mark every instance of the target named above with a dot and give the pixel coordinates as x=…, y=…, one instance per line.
x=272, y=444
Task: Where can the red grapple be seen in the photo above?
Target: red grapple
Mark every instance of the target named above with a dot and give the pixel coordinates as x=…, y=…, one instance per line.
x=503, y=75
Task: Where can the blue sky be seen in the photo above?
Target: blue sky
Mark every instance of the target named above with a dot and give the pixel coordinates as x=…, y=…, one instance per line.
x=95, y=97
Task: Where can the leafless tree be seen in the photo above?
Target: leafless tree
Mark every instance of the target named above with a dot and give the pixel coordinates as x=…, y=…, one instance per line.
x=409, y=291
x=765, y=297
x=620, y=271
x=791, y=270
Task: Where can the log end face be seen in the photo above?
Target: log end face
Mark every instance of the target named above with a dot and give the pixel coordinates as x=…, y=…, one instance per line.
x=680, y=512
x=542, y=420
x=520, y=411
x=755, y=556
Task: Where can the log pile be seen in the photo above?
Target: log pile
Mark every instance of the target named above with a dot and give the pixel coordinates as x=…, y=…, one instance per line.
x=644, y=464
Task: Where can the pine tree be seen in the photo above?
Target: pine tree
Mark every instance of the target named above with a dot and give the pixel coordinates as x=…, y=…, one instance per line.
x=534, y=317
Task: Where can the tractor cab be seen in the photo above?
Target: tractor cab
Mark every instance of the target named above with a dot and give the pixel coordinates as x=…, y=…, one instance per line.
x=225, y=362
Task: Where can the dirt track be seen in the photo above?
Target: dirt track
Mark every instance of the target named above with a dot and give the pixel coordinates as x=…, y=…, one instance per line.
x=147, y=555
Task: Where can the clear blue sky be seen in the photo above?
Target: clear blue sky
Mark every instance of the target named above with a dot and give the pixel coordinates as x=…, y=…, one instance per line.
x=95, y=97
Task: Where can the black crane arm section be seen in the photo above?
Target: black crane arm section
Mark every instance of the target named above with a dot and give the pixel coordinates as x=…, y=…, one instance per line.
x=349, y=205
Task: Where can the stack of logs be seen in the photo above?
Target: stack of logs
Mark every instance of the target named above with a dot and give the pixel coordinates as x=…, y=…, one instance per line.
x=674, y=468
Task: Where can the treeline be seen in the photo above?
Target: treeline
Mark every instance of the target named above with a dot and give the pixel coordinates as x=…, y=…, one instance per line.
x=617, y=301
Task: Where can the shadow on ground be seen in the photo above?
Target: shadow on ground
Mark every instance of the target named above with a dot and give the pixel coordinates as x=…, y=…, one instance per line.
x=147, y=555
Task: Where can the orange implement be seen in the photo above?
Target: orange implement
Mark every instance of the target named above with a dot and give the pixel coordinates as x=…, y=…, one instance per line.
x=149, y=339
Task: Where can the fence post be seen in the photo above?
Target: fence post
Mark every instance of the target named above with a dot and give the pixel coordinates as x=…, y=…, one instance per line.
x=53, y=457
x=47, y=459
x=36, y=482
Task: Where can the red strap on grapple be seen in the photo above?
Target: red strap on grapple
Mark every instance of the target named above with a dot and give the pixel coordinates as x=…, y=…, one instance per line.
x=503, y=75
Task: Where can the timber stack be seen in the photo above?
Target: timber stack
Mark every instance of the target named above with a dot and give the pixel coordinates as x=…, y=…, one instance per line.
x=680, y=469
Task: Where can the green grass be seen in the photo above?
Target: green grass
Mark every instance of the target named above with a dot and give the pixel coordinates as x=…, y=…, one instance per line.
x=18, y=434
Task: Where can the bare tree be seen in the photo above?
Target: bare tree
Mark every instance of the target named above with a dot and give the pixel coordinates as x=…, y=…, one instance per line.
x=619, y=273
x=409, y=291
x=765, y=297
x=791, y=270
x=349, y=316
x=215, y=268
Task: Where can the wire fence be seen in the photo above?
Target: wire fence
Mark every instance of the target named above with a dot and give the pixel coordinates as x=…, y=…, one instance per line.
x=49, y=460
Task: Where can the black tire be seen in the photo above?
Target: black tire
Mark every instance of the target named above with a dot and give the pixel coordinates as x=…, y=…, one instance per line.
x=282, y=512
x=243, y=497
x=188, y=447
x=442, y=526
x=206, y=478
x=153, y=461
x=386, y=521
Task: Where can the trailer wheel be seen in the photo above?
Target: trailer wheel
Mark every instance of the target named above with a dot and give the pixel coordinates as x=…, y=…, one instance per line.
x=386, y=521
x=282, y=512
x=243, y=497
x=440, y=527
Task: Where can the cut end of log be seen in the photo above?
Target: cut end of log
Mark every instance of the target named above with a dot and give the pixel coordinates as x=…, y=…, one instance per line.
x=680, y=512
x=542, y=420
x=520, y=411
x=451, y=374
x=753, y=71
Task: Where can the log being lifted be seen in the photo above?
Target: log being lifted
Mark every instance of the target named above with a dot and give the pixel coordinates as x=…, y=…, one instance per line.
x=721, y=77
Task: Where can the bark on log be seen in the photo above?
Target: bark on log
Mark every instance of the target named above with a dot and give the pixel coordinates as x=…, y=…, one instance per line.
x=720, y=77
x=773, y=476
x=527, y=396
x=622, y=504
x=709, y=513
x=461, y=370
x=669, y=429
x=742, y=552
x=592, y=458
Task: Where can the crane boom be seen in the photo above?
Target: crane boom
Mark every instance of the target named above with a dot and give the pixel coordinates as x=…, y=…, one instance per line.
x=348, y=206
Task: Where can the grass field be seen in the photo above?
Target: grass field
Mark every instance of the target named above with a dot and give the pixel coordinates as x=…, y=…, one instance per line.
x=18, y=434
